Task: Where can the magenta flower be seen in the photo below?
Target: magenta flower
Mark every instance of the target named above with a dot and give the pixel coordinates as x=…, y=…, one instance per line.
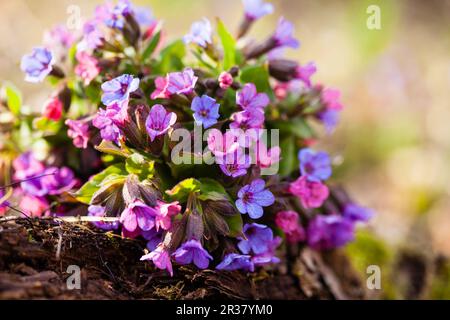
x=87, y=67
x=164, y=213
x=34, y=206
x=192, y=251
x=288, y=222
x=206, y=111
x=99, y=211
x=160, y=89
x=253, y=197
x=201, y=33
x=58, y=180
x=159, y=121
x=265, y=158
x=304, y=73
x=119, y=89
x=37, y=65
x=137, y=215
x=235, y=261
x=330, y=98
x=222, y=144
x=107, y=120
x=247, y=119
x=255, y=9
x=3, y=203
x=53, y=109
x=328, y=232
x=235, y=164
x=161, y=258
x=312, y=194
x=283, y=36
x=316, y=166
x=257, y=238
x=181, y=82
x=249, y=98
x=225, y=80
x=79, y=132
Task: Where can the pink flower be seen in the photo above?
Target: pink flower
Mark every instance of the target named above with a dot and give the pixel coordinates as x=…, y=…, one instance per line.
x=330, y=98
x=181, y=82
x=53, y=109
x=161, y=258
x=159, y=121
x=87, y=67
x=225, y=80
x=288, y=221
x=160, y=89
x=34, y=206
x=266, y=157
x=222, y=144
x=78, y=131
x=165, y=212
x=311, y=194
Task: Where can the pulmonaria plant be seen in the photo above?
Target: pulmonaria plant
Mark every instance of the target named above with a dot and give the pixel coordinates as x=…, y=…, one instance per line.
x=168, y=143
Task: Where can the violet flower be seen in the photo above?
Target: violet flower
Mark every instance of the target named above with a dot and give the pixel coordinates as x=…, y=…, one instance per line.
x=268, y=256
x=330, y=119
x=181, y=82
x=161, y=258
x=137, y=215
x=192, y=251
x=106, y=120
x=283, y=36
x=312, y=194
x=249, y=98
x=247, y=119
x=316, y=166
x=304, y=73
x=79, y=132
x=92, y=36
x=26, y=166
x=258, y=237
x=201, y=33
x=253, y=197
x=206, y=111
x=99, y=211
x=357, y=213
x=153, y=238
x=328, y=232
x=235, y=261
x=58, y=180
x=118, y=89
x=37, y=65
x=234, y=164
x=255, y=9
x=159, y=121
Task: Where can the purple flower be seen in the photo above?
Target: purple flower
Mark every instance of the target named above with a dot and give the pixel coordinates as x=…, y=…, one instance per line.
x=192, y=251
x=249, y=98
x=153, y=238
x=99, y=211
x=247, y=119
x=181, y=82
x=159, y=121
x=253, y=197
x=268, y=256
x=200, y=34
x=26, y=166
x=138, y=215
x=206, y=111
x=107, y=119
x=316, y=166
x=330, y=119
x=116, y=20
x=4, y=203
x=327, y=232
x=118, y=89
x=284, y=34
x=235, y=261
x=58, y=180
x=92, y=36
x=144, y=16
x=79, y=132
x=37, y=65
x=255, y=9
x=357, y=213
x=161, y=258
x=258, y=238
x=305, y=72
x=234, y=164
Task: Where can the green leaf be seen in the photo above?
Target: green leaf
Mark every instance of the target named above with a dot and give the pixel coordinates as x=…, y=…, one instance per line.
x=152, y=44
x=182, y=190
x=139, y=165
x=297, y=127
x=13, y=99
x=228, y=44
x=109, y=175
x=235, y=224
x=171, y=58
x=47, y=126
x=212, y=190
x=110, y=148
x=289, y=160
x=258, y=75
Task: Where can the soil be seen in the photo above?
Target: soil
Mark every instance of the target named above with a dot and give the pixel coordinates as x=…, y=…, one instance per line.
x=35, y=254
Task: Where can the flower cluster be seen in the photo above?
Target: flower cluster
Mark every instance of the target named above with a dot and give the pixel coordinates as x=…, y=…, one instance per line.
x=122, y=95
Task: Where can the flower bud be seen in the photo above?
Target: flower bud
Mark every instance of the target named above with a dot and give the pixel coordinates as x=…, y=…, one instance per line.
x=282, y=69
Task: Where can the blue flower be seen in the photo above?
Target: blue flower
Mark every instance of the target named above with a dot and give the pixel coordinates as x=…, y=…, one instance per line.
x=200, y=33
x=357, y=213
x=258, y=239
x=330, y=119
x=37, y=65
x=235, y=261
x=253, y=197
x=255, y=9
x=192, y=251
x=118, y=89
x=206, y=111
x=316, y=166
x=328, y=232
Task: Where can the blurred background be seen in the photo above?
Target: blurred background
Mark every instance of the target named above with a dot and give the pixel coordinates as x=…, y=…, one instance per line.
x=392, y=147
